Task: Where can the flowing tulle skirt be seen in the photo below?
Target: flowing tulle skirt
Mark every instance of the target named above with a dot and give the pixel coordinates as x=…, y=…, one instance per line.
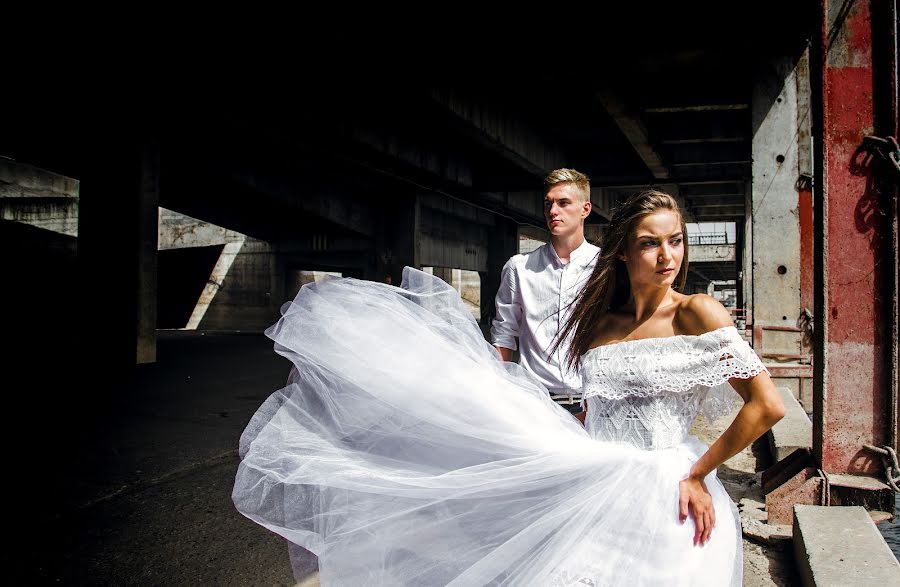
x=404, y=452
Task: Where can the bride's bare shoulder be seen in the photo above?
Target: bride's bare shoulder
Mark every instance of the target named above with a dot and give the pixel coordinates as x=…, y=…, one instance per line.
x=699, y=313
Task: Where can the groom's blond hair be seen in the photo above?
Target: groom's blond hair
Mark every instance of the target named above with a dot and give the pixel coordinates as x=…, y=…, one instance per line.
x=565, y=175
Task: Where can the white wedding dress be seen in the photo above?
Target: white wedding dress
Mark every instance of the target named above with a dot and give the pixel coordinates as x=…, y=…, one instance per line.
x=404, y=452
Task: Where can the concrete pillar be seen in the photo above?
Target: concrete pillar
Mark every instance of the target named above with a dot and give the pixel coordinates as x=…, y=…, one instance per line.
x=117, y=231
x=445, y=273
x=748, y=253
x=395, y=237
x=853, y=78
x=147, y=233
x=503, y=244
x=775, y=228
x=246, y=288
x=774, y=204
x=282, y=291
x=739, y=256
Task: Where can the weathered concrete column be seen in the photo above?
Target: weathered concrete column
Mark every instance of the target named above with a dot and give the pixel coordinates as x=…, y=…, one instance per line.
x=147, y=234
x=747, y=249
x=117, y=232
x=395, y=237
x=503, y=244
x=739, y=255
x=774, y=205
x=854, y=83
x=445, y=273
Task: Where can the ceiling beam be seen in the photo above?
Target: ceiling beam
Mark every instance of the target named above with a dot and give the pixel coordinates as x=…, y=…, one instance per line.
x=706, y=153
x=634, y=130
x=701, y=140
x=699, y=108
x=502, y=133
x=739, y=208
x=695, y=163
x=713, y=189
x=719, y=218
x=713, y=197
x=710, y=181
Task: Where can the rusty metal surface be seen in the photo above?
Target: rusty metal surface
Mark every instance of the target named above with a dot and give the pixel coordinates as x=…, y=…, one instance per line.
x=794, y=479
x=786, y=468
x=803, y=488
x=853, y=393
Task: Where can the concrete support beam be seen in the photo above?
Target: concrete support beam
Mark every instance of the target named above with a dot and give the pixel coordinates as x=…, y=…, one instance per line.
x=696, y=108
x=633, y=127
x=457, y=208
x=506, y=136
x=603, y=201
x=708, y=253
x=38, y=197
x=447, y=165
x=711, y=173
x=605, y=198
x=178, y=231
x=452, y=234
x=705, y=211
x=702, y=140
x=691, y=153
x=335, y=206
x=529, y=202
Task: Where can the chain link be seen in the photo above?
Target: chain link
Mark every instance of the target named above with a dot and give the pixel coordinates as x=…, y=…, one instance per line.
x=891, y=467
x=887, y=148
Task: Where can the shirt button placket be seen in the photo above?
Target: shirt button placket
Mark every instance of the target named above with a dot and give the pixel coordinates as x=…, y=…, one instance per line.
x=559, y=320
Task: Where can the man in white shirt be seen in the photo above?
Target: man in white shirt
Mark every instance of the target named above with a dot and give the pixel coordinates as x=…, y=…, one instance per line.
x=537, y=288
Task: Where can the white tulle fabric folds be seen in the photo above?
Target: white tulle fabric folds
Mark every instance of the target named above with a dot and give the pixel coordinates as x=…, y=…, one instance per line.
x=404, y=452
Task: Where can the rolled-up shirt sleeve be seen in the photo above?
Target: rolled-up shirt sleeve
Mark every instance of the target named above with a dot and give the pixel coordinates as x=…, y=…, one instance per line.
x=505, y=327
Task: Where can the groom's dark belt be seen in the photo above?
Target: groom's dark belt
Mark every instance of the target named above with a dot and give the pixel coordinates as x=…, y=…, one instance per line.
x=566, y=399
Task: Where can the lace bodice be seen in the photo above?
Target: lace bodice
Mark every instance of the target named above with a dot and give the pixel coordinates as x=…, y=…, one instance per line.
x=648, y=392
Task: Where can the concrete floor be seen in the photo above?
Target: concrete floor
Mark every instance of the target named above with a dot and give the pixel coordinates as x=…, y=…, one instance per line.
x=128, y=482
x=144, y=493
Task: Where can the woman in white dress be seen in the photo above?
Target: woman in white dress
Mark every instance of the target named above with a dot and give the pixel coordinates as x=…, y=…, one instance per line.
x=404, y=452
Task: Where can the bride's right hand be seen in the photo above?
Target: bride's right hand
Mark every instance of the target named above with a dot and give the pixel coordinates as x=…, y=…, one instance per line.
x=694, y=498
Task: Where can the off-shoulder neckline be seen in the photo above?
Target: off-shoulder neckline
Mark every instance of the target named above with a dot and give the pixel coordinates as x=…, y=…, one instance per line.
x=657, y=338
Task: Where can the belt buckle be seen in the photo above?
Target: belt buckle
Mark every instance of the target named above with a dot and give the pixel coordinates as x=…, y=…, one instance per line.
x=565, y=398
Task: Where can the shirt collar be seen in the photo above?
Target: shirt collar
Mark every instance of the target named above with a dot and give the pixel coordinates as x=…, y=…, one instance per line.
x=582, y=254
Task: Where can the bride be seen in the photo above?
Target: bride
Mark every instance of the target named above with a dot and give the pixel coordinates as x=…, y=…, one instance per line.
x=403, y=451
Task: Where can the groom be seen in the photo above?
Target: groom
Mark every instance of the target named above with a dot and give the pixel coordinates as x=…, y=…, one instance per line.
x=537, y=288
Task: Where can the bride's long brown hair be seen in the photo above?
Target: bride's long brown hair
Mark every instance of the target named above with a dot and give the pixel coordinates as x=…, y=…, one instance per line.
x=609, y=287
